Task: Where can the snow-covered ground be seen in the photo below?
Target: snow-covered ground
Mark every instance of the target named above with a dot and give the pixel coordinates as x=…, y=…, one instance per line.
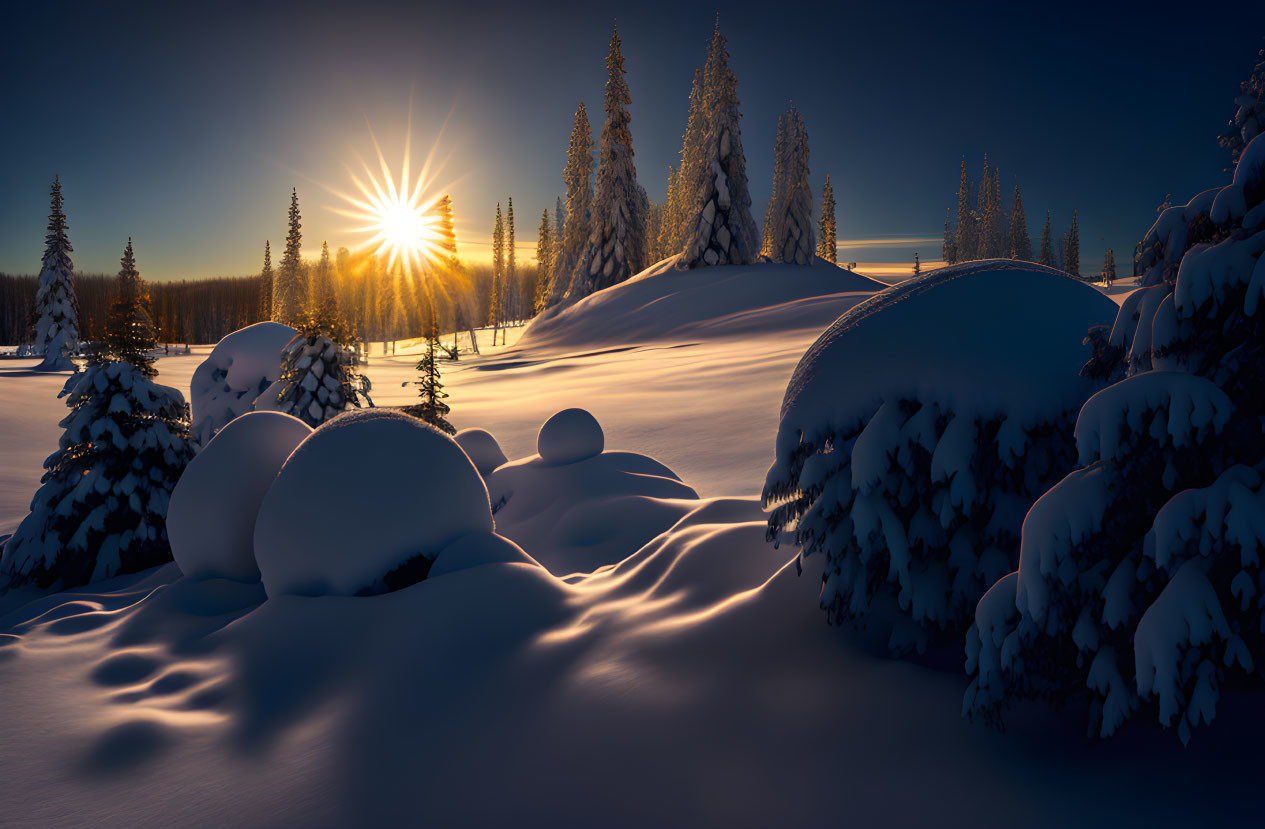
x=690, y=681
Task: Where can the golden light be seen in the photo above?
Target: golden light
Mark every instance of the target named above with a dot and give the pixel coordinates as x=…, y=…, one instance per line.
x=398, y=219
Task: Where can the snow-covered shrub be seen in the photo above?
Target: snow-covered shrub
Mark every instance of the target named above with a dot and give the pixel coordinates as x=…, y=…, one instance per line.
x=319, y=379
x=568, y=436
x=919, y=428
x=484, y=452
x=102, y=505
x=364, y=505
x=1138, y=582
x=211, y=521
x=238, y=370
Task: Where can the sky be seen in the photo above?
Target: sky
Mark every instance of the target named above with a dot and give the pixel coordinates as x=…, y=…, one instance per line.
x=184, y=126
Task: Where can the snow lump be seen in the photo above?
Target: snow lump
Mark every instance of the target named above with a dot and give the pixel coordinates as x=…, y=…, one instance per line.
x=485, y=453
x=211, y=520
x=364, y=504
x=570, y=435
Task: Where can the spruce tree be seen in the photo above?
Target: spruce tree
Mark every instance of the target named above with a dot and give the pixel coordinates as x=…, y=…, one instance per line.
x=1020, y=243
x=444, y=228
x=319, y=379
x=102, y=505
x=777, y=196
x=722, y=230
x=693, y=158
x=949, y=248
x=1109, y=268
x=1072, y=249
x=794, y=238
x=1249, y=115
x=56, y=333
x=265, y=284
x=432, y=409
x=323, y=295
x=578, y=176
x=496, y=313
x=917, y=264
x=616, y=247
x=288, y=296
x=827, y=243
x=559, y=220
x=1047, y=245
x=511, y=310
x=666, y=227
x=965, y=241
x=544, y=262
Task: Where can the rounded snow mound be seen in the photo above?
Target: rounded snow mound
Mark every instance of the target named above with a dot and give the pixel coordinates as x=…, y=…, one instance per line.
x=364, y=504
x=568, y=436
x=480, y=445
x=238, y=370
x=211, y=519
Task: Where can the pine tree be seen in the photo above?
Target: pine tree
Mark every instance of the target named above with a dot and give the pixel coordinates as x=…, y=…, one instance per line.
x=578, y=176
x=319, y=379
x=1020, y=243
x=288, y=296
x=265, y=284
x=668, y=219
x=917, y=264
x=949, y=248
x=794, y=237
x=1109, y=268
x=1249, y=116
x=1047, y=247
x=323, y=293
x=827, y=243
x=722, y=230
x=559, y=220
x=1072, y=249
x=966, y=241
x=777, y=197
x=616, y=248
x=693, y=158
x=444, y=228
x=496, y=314
x=511, y=309
x=102, y=505
x=544, y=262
x=56, y=334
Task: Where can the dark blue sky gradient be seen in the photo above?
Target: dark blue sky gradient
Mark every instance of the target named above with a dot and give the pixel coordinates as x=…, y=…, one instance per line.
x=184, y=126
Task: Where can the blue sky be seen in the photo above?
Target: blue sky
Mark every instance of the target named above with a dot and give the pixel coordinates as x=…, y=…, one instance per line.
x=185, y=125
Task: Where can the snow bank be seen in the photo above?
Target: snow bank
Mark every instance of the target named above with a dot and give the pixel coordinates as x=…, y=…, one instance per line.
x=481, y=447
x=235, y=374
x=919, y=428
x=211, y=520
x=364, y=504
x=665, y=303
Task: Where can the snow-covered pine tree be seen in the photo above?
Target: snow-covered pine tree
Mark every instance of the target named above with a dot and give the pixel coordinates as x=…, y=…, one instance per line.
x=496, y=311
x=1047, y=244
x=616, y=248
x=444, y=228
x=432, y=409
x=578, y=176
x=722, y=231
x=664, y=223
x=1249, y=116
x=693, y=158
x=559, y=220
x=319, y=379
x=827, y=243
x=288, y=295
x=544, y=262
x=512, y=310
x=949, y=247
x=1020, y=243
x=265, y=284
x=777, y=196
x=794, y=237
x=917, y=264
x=1109, y=267
x=56, y=333
x=1072, y=249
x=966, y=241
x=102, y=505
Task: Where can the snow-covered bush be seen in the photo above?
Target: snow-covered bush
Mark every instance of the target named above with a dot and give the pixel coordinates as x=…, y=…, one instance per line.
x=575, y=508
x=211, y=521
x=319, y=379
x=1139, y=582
x=481, y=447
x=364, y=505
x=919, y=428
x=102, y=505
x=237, y=372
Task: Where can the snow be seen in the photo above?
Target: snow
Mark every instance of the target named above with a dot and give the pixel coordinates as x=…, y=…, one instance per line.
x=569, y=436
x=482, y=449
x=235, y=374
x=211, y=519
x=410, y=483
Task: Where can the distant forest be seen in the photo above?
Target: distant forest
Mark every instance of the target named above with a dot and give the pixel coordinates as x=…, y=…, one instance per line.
x=205, y=310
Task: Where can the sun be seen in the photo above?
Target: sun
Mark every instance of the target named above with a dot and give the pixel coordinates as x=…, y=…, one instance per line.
x=397, y=219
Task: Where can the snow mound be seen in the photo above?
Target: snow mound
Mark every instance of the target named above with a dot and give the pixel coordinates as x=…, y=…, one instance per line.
x=578, y=515
x=211, y=519
x=570, y=435
x=481, y=446
x=664, y=303
x=919, y=428
x=237, y=372
x=364, y=504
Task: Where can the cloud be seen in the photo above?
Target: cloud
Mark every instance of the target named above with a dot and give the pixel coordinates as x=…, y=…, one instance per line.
x=889, y=242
